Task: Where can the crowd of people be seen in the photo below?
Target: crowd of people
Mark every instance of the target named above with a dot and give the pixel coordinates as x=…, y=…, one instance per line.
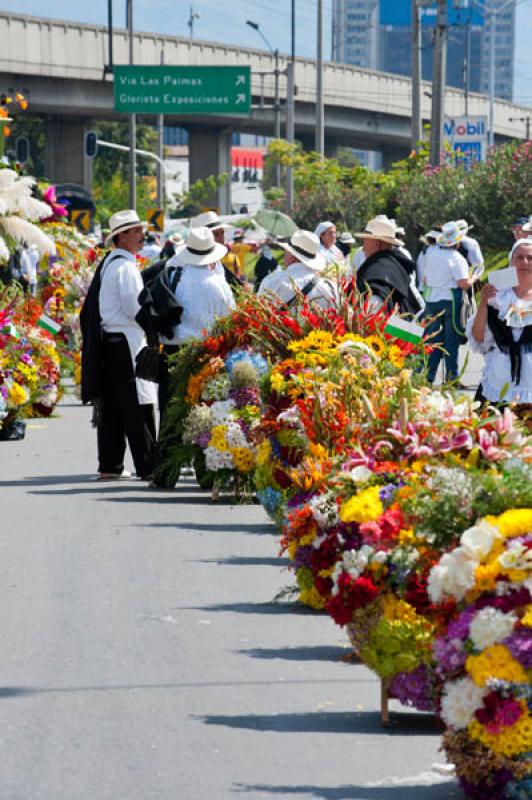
x=189, y=284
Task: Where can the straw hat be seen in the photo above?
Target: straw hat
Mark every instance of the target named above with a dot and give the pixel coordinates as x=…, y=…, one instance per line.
x=200, y=249
x=123, y=221
x=527, y=227
x=305, y=246
x=346, y=238
x=450, y=235
x=381, y=229
x=432, y=235
x=209, y=219
x=176, y=239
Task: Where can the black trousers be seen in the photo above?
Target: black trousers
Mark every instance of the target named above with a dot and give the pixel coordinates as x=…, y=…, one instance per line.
x=122, y=416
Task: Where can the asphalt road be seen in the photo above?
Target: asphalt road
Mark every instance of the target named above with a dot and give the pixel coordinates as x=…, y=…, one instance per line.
x=143, y=657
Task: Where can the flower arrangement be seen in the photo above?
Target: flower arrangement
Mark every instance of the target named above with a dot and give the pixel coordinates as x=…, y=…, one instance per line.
x=29, y=361
x=484, y=658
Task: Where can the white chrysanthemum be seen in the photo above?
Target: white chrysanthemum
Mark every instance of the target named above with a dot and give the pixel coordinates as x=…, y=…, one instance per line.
x=218, y=459
x=197, y=422
x=221, y=412
x=235, y=436
x=460, y=700
x=478, y=540
x=453, y=575
x=49, y=397
x=324, y=509
x=350, y=346
x=489, y=626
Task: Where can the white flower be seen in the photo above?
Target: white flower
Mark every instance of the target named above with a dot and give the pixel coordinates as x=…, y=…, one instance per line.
x=235, y=435
x=324, y=509
x=460, y=701
x=360, y=474
x=478, y=540
x=218, y=459
x=516, y=556
x=221, y=412
x=454, y=575
x=489, y=626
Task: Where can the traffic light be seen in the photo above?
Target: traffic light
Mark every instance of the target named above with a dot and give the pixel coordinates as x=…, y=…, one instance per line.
x=91, y=144
x=22, y=147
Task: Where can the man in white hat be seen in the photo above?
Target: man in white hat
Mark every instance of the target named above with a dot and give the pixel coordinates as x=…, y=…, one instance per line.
x=445, y=276
x=470, y=248
x=127, y=410
x=303, y=275
x=326, y=233
x=202, y=291
x=387, y=273
x=229, y=265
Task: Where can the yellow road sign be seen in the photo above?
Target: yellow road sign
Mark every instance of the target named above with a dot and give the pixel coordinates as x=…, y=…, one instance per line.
x=156, y=219
x=82, y=220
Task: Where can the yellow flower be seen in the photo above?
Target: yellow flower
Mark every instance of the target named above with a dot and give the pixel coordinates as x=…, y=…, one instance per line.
x=277, y=382
x=526, y=619
x=264, y=453
x=395, y=610
x=510, y=741
x=318, y=451
x=407, y=537
x=515, y=522
x=495, y=662
x=17, y=395
x=363, y=507
x=243, y=458
x=396, y=356
x=311, y=597
x=376, y=344
x=218, y=438
x=486, y=577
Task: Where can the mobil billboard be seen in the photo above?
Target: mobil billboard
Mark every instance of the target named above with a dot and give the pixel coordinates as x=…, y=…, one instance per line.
x=466, y=138
x=399, y=12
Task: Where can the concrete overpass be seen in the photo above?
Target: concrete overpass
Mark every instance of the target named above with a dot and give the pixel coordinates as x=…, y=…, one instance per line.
x=61, y=66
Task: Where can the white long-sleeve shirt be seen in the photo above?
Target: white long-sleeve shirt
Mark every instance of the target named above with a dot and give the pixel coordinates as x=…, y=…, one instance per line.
x=205, y=296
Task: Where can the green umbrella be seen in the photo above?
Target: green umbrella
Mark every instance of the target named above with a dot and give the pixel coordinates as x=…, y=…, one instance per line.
x=275, y=223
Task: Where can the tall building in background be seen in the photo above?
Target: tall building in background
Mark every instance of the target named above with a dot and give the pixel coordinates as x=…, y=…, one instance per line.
x=377, y=34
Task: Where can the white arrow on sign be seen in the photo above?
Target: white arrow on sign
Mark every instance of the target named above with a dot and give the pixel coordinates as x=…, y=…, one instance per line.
x=240, y=80
x=240, y=98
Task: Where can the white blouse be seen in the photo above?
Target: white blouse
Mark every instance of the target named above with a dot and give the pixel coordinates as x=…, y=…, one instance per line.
x=497, y=371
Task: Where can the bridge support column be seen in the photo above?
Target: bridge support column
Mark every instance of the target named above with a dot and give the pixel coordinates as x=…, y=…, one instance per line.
x=65, y=159
x=209, y=152
x=392, y=154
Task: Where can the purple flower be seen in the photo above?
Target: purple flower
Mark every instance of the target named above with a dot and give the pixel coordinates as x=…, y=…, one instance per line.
x=245, y=396
x=204, y=439
x=413, y=688
x=519, y=643
x=506, y=603
x=303, y=557
x=449, y=655
x=386, y=493
x=459, y=628
x=493, y=787
x=299, y=499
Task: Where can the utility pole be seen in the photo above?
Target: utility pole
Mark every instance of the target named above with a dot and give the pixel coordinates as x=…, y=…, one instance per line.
x=132, y=121
x=160, y=142
x=290, y=108
x=193, y=15
x=467, y=67
x=320, y=117
x=526, y=120
x=493, y=27
x=277, y=113
x=438, y=84
x=416, y=75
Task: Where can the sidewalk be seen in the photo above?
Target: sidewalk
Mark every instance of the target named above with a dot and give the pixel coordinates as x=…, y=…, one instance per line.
x=144, y=659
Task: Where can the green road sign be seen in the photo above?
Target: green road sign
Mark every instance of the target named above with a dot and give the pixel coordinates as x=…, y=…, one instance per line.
x=182, y=90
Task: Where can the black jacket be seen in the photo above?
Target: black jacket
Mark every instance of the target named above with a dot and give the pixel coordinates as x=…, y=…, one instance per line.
x=388, y=274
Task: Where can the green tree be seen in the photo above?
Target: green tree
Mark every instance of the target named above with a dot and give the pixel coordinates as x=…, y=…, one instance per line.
x=33, y=128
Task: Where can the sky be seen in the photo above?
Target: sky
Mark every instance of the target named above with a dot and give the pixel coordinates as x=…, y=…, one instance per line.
x=215, y=23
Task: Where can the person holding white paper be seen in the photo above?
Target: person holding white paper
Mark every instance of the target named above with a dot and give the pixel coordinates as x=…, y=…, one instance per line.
x=502, y=331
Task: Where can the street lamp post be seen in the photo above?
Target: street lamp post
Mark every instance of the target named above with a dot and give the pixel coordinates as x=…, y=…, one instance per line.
x=132, y=121
x=277, y=102
x=320, y=116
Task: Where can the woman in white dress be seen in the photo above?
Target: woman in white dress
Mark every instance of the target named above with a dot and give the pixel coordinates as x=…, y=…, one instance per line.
x=502, y=332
